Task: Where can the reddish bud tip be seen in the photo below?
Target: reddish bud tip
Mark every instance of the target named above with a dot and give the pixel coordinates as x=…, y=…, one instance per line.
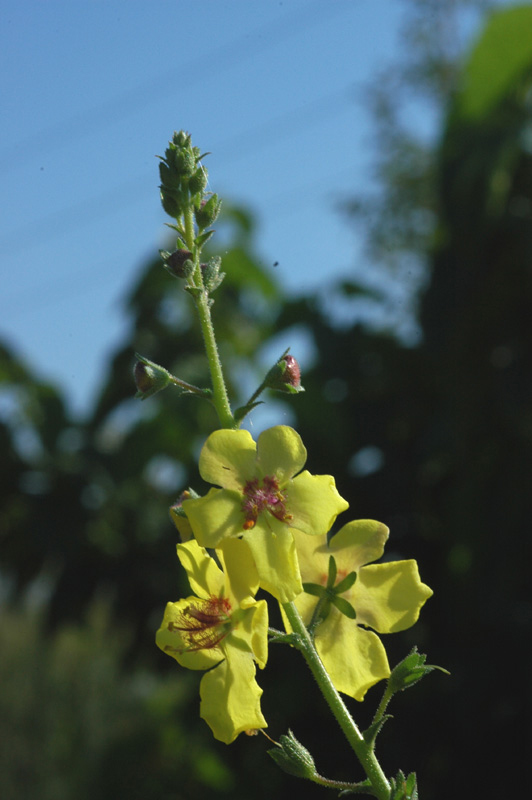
x=292, y=373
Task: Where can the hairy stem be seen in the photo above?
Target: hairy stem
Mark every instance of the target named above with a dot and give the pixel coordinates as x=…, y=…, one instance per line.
x=364, y=752
x=220, y=399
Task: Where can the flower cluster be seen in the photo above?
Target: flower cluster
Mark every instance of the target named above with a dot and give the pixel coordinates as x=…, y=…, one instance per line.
x=267, y=524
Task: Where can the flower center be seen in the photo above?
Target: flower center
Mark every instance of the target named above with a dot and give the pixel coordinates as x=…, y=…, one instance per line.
x=203, y=625
x=265, y=496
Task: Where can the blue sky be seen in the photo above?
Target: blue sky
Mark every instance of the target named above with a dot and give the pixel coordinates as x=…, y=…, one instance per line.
x=92, y=91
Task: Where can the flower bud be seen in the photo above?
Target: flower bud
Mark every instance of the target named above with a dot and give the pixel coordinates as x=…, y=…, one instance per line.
x=292, y=373
x=179, y=518
x=178, y=166
x=285, y=376
x=410, y=670
x=150, y=378
x=293, y=758
x=198, y=182
x=180, y=263
x=212, y=277
x=208, y=211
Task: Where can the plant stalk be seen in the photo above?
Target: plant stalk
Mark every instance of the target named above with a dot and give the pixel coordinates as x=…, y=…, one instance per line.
x=364, y=752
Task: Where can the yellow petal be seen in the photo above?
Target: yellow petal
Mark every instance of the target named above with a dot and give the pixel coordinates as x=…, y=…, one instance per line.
x=354, y=658
x=230, y=697
x=389, y=597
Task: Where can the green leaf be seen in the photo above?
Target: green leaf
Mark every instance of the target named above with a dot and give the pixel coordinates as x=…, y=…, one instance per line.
x=501, y=57
x=371, y=733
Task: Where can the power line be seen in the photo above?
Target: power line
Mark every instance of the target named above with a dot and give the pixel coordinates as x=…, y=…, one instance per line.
x=89, y=209
x=62, y=287
x=243, y=47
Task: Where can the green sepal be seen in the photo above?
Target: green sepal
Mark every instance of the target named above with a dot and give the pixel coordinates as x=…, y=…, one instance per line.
x=332, y=572
x=371, y=733
x=292, y=389
x=409, y=671
x=346, y=583
x=404, y=788
x=344, y=606
x=315, y=589
x=293, y=758
x=243, y=411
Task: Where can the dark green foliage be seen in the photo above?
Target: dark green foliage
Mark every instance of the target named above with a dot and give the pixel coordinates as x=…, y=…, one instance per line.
x=435, y=440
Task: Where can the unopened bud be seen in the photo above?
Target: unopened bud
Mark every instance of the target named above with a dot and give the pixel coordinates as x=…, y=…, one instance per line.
x=179, y=518
x=180, y=263
x=293, y=758
x=150, y=378
x=212, y=277
x=285, y=376
x=198, y=182
x=208, y=211
x=292, y=373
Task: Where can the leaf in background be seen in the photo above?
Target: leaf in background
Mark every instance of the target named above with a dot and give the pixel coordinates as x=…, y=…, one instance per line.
x=501, y=55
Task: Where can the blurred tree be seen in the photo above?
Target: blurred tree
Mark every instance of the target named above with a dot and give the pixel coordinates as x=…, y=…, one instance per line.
x=438, y=435
x=86, y=503
x=431, y=435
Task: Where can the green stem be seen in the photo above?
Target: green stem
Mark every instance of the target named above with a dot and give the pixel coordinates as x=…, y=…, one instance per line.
x=383, y=705
x=219, y=392
x=189, y=387
x=364, y=752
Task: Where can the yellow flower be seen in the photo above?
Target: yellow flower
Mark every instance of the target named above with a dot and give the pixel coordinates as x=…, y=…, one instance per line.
x=262, y=502
x=224, y=627
x=386, y=597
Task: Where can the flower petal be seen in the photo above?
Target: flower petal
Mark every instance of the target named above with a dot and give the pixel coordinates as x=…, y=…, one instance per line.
x=251, y=632
x=314, y=503
x=389, y=597
x=216, y=516
x=359, y=542
x=227, y=459
x=313, y=556
x=172, y=642
x=280, y=453
x=242, y=578
x=354, y=658
x=275, y=556
x=204, y=575
x=230, y=697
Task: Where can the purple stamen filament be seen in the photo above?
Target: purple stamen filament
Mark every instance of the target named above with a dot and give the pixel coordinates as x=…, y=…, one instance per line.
x=263, y=497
